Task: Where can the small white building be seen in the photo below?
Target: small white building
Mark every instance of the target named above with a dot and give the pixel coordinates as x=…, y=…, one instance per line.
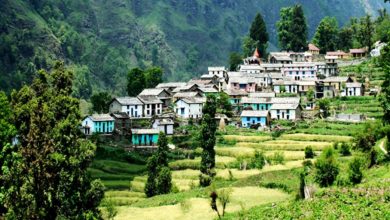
x=152, y=105
x=286, y=111
x=164, y=125
x=130, y=105
x=189, y=107
x=286, y=86
x=161, y=94
x=353, y=89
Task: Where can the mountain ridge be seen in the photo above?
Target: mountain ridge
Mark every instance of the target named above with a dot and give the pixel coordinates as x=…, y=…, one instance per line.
x=101, y=40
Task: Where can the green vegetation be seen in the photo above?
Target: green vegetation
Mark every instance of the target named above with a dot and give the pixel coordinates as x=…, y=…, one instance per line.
x=138, y=79
x=326, y=35
x=258, y=32
x=292, y=29
x=207, y=141
x=101, y=102
x=159, y=179
x=51, y=159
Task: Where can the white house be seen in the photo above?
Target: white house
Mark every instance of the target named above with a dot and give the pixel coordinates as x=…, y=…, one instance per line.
x=353, y=89
x=299, y=71
x=189, y=107
x=103, y=124
x=152, y=105
x=130, y=105
x=164, y=125
x=161, y=94
x=286, y=86
x=286, y=111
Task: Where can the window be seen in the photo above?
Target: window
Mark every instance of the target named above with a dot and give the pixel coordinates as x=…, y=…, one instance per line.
x=248, y=118
x=128, y=107
x=182, y=111
x=258, y=118
x=277, y=111
x=147, y=112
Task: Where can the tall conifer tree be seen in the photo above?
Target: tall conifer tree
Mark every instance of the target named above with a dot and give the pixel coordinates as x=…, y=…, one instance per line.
x=258, y=32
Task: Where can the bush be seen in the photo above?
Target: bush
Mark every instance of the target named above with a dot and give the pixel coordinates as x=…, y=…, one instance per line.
x=278, y=158
x=355, y=172
x=309, y=153
x=327, y=168
x=164, y=181
x=258, y=161
x=345, y=149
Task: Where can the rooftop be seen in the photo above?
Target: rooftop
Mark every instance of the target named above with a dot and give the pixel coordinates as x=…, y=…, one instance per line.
x=145, y=131
x=101, y=117
x=152, y=92
x=278, y=106
x=150, y=99
x=313, y=47
x=128, y=100
x=249, y=113
x=262, y=95
x=171, y=85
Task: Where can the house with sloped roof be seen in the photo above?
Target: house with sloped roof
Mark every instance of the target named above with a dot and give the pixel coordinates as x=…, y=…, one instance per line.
x=339, y=54
x=161, y=94
x=249, y=117
x=286, y=111
x=257, y=104
x=358, y=53
x=280, y=58
x=98, y=123
x=286, y=86
x=353, y=89
x=130, y=105
x=170, y=86
x=190, y=107
x=152, y=105
x=144, y=137
x=164, y=125
x=313, y=49
x=122, y=124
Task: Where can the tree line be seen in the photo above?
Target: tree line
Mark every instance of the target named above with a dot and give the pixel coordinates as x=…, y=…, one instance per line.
x=292, y=32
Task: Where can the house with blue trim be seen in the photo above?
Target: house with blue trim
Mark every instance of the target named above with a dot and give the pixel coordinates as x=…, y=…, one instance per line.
x=257, y=104
x=144, y=137
x=98, y=123
x=249, y=118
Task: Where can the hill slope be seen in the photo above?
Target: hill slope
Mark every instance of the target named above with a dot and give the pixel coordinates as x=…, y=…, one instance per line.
x=102, y=39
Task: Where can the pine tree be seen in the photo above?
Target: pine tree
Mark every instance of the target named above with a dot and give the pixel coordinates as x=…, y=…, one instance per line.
x=258, y=32
x=366, y=32
x=298, y=30
x=208, y=129
x=326, y=35
x=159, y=179
x=292, y=29
x=47, y=174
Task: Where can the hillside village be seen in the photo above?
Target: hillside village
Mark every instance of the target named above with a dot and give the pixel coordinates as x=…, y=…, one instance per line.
x=282, y=86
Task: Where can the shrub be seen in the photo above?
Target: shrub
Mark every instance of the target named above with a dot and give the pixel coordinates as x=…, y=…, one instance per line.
x=345, y=149
x=164, y=181
x=327, y=168
x=278, y=158
x=309, y=153
x=258, y=161
x=355, y=172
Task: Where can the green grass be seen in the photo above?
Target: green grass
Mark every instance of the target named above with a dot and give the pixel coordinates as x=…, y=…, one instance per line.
x=313, y=137
x=323, y=127
x=115, y=174
x=220, y=162
x=241, y=138
x=286, y=145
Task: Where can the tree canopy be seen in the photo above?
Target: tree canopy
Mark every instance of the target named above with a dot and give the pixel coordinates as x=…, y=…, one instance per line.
x=138, y=79
x=100, y=102
x=258, y=32
x=292, y=29
x=326, y=35
x=46, y=175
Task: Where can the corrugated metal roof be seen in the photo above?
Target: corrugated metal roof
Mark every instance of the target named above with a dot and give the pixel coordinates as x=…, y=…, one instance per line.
x=150, y=99
x=278, y=106
x=145, y=131
x=101, y=117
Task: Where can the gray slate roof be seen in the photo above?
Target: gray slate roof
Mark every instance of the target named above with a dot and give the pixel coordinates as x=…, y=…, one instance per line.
x=150, y=99
x=128, y=100
x=152, y=92
x=101, y=117
x=284, y=106
x=145, y=131
x=171, y=85
x=249, y=113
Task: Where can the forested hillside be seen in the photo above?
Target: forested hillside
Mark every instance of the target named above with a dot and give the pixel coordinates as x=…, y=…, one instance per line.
x=101, y=40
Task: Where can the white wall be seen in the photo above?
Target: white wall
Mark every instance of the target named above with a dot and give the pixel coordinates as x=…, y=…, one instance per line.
x=136, y=109
x=274, y=114
x=148, y=107
x=190, y=110
x=88, y=122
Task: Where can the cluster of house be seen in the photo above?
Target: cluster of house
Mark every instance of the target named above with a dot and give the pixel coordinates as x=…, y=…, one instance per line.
x=256, y=92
